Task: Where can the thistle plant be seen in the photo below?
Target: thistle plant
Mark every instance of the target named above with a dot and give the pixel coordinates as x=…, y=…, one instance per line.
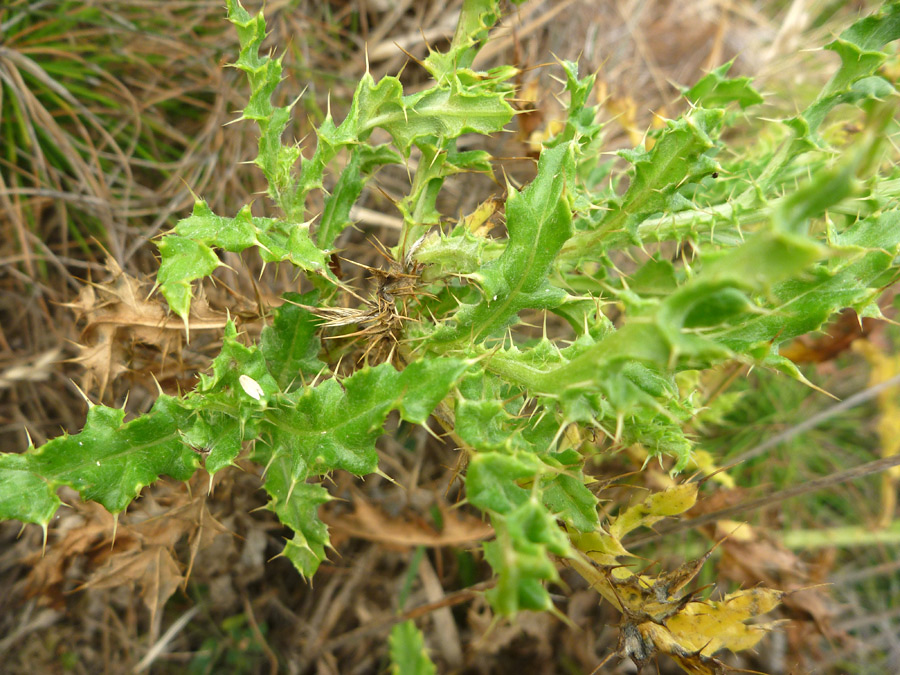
x=703, y=256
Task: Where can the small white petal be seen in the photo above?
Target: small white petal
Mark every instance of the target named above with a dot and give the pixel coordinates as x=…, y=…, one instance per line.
x=251, y=387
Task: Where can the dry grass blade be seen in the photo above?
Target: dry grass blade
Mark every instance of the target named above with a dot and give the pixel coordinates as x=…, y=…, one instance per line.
x=815, y=420
x=159, y=647
x=37, y=371
x=384, y=625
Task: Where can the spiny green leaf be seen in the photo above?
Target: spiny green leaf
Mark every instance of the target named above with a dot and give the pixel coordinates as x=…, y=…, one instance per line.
x=334, y=426
x=183, y=261
x=581, y=125
x=859, y=48
x=424, y=384
x=484, y=424
x=571, y=501
x=188, y=254
x=659, y=339
x=336, y=215
x=24, y=493
x=111, y=461
x=677, y=157
x=476, y=18
x=230, y=234
x=408, y=653
x=519, y=558
x=761, y=254
x=803, y=305
x=220, y=434
x=442, y=112
x=539, y=221
x=715, y=90
x=460, y=252
x=235, y=363
x=316, y=430
x=364, y=159
x=276, y=240
x=296, y=503
x=491, y=480
x=264, y=73
x=681, y=155
x=290, y=345
x=228, y=401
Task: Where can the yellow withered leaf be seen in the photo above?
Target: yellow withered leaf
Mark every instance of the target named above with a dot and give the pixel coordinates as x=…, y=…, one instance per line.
x=703, y=461
x=659, y=505
x=690, y=661
x=884, y=367
x=601, y=547
x=479, y=221
x=695, y=631
x=659, y=613
x=707, y=627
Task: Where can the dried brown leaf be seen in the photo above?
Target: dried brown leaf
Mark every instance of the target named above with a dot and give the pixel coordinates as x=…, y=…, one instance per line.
x=118, y=315
x=47, y=573
x=153, y=569
x=370, y=523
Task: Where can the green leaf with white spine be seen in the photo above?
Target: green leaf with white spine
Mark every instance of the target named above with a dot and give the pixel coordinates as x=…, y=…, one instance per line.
x=716, y=90
x=681, y=154
x=519, y=557
x=539, y=221
x=515, y=476
x=296, y=503
x=290, y=345
x=109, y=461
x=419, y=208
x=408, y=653
x=25, y=494
x=859, y=48
x=315, y=430
x=183, y=261
x=569, y=499
x=188, y=254
x=664, y=340
x=492, y=480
